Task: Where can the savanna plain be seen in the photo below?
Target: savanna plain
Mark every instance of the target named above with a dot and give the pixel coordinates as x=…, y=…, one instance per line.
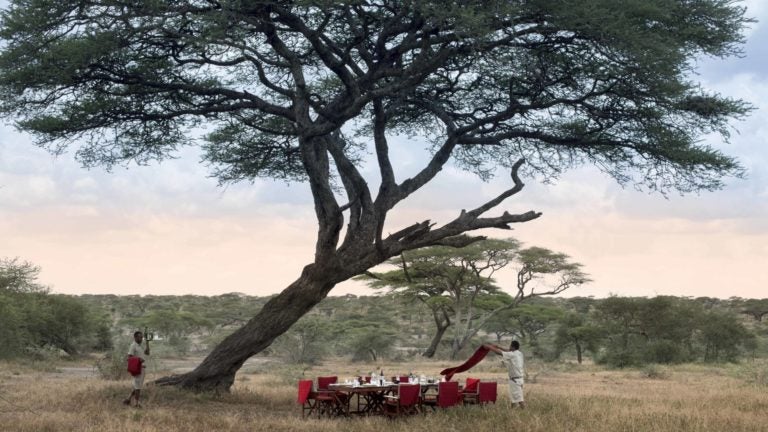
x=68, y=396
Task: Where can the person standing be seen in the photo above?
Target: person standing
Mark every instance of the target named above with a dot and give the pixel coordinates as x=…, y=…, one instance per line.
x=514, y=361
x=138, y=380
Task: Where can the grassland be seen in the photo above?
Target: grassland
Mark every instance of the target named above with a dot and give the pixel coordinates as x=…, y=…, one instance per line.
x=560, y=398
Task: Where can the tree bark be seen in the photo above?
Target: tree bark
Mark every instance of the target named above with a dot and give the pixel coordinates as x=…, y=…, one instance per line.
x=218, y=369
x=578, y=352
x=430, y=352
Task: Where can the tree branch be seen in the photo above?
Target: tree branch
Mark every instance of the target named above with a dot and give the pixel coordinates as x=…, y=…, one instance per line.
x=358, y=193
x=314, y=156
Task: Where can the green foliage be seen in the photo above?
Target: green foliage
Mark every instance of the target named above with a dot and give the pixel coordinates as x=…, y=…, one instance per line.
x=113, y=364
x=754, y=372
x=577, y=331
x=657, y=331
x=668, y=330
x=456, y=284
x=306, y=342
x=525, y=323
x=19, y=277
x=724, y=338
x=756, y=308
x=12, y=332
x=371, y=343
x=103, y=336
x=617, y=331
x=172, y=326
x=562, y=83
x=31, y=320
x=538, y=262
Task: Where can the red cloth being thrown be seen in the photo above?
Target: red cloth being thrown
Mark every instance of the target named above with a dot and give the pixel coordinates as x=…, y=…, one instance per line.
x=478, y=356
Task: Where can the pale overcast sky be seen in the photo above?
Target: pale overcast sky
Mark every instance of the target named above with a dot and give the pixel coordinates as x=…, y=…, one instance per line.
x=168, y=228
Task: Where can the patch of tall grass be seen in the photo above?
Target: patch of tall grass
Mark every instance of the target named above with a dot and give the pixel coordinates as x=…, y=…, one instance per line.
x=591, y=398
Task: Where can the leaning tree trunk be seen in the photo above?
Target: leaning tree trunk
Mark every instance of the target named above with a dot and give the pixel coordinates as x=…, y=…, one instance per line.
x=430, y=352
x=218, y=369
x=578, y=352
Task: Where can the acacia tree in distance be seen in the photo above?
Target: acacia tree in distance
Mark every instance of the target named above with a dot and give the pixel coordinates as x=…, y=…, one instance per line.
x=575, y=329
x=425, y=291
x=462, y=280
x=18, y=276
x=525, y=322
x=456, y=284
x=284, y=83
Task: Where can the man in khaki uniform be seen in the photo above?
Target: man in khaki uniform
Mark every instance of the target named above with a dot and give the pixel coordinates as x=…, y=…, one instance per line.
x=514, y=361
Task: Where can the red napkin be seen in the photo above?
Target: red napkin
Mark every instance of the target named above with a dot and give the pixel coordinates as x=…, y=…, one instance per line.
x=467, y=365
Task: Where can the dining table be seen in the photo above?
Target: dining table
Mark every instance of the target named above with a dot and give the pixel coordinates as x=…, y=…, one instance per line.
x=369, y=399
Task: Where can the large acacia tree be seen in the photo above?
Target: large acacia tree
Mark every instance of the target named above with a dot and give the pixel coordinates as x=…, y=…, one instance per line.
x=298, y=90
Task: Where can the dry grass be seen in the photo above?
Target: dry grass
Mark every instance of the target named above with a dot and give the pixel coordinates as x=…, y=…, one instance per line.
x=562, y=398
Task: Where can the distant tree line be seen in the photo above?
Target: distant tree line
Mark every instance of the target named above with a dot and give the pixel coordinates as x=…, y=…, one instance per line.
x=34, y=322
x=626, y=331
x=616, y=331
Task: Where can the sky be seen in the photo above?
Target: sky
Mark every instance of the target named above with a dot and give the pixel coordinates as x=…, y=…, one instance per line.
x=169, y=229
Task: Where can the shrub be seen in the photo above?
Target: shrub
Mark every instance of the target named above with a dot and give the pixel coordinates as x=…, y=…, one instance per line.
x=754, y=372
x=113, y=365
x=654, y=371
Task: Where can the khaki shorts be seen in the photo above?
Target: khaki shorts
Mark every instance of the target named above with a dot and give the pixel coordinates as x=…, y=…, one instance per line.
x=138, y=381
x=516, y=390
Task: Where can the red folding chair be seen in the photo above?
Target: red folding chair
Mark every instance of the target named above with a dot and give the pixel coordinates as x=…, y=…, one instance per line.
x=324, y=382
x=487, y=392
x=307, y=398
x=470, y=393
x=447, y=395
x=406, y=402
x=330, y=402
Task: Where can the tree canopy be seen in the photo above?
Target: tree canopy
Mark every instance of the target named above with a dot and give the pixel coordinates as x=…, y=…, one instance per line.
x=17, y=276
x=301, y=90
x=459, y=287
x=488, y=81
x=34, y=322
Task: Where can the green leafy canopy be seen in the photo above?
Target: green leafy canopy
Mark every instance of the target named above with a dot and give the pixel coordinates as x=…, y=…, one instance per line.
x=560, y=83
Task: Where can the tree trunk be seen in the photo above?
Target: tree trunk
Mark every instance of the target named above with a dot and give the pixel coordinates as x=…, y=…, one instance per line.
x=430, y=352
x=218, y=369
x=578, y=352
x=455, y=348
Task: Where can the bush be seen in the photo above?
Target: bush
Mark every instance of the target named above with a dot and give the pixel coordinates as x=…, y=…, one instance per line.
x=619, y=358
x=180, y=344
x=664, y=351
x=653, y=371
x=754, y=372
x=113, y=365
